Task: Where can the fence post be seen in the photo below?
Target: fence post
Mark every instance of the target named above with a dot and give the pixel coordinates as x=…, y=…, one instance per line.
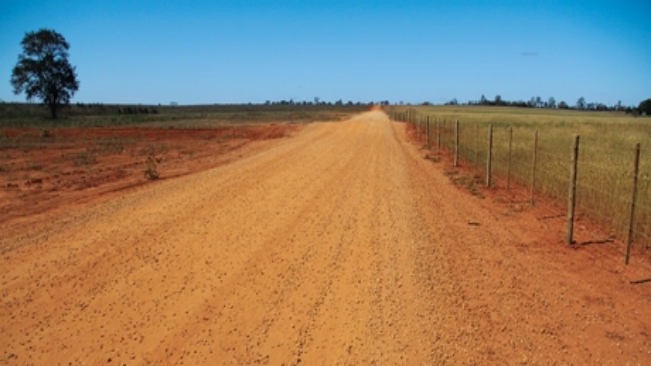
x=571, y=200
x=418, y=127
x=533, y=166
x=423, y=127
x=477, y=144
x=508, y=165
x=489, y=158
x=438, y=135
x=636, y=167
x=444, y=131
x=448, y=142
x=427, y=132
x=456, y=143
x=444, y=126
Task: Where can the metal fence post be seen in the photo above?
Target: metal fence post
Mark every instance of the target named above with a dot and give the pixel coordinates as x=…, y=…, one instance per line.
x=489, y=158
x=456, y=144
x=636, y=167
x=533, y=166
x=508, y=165
x=571, y=200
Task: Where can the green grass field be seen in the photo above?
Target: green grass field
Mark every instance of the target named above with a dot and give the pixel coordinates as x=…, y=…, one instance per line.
x=607, y=142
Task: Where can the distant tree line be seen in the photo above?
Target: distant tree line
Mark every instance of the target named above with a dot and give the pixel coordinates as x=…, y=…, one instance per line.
x=318, y=101
x=537, y=102
x=119, y=109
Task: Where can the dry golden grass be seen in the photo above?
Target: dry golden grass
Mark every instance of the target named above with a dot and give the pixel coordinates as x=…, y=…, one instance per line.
x=607, y=142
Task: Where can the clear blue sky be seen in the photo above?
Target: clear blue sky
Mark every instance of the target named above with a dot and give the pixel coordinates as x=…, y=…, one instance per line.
x=197, y=52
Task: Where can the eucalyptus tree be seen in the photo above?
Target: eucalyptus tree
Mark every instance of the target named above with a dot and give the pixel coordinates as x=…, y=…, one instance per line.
x=43, y=70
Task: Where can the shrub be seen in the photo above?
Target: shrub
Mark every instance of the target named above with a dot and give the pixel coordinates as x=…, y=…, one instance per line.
x=151, y=173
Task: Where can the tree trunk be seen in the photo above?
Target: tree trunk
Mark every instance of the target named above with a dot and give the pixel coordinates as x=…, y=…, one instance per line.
x=53, y=110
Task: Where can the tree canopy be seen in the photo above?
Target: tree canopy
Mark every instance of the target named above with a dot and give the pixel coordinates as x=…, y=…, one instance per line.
x=43, y=70
x=645, y=107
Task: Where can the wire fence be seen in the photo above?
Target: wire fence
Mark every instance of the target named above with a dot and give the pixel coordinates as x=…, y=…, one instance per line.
x=613, y=186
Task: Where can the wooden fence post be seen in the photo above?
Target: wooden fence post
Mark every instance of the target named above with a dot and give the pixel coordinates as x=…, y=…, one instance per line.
x=438, y=135
x=456, y=143
x=427, y=132
x=418, y=127
x=477, y=144
x=533, y=166
x=444, y=132
x=571, y=200
x=636, y=169
x=508, y=165
x=489, y=158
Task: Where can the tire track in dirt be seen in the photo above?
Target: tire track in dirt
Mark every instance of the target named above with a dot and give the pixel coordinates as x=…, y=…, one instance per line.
x=338, y=246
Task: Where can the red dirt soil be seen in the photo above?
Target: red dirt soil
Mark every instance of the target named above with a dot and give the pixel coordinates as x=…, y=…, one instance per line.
x=340, y=245
x=70, y=166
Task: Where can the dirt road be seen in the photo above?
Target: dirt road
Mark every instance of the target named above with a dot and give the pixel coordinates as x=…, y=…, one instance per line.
x=341, y=245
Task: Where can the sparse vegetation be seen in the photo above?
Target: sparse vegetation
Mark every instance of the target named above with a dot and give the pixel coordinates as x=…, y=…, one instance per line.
x=84, y=159
x=471, y=183
x=199, y=116
x=150, y=172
